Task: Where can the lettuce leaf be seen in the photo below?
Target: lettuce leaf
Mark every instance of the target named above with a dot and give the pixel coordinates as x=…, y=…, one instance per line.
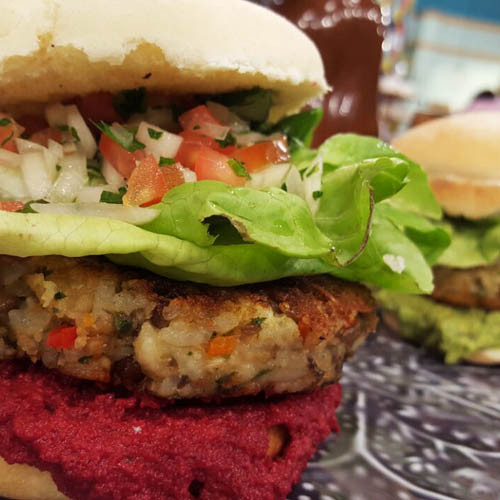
x=371, y=226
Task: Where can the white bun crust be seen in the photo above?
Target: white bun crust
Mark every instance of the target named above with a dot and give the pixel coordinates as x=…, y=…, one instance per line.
x=461, y=154
x=489, y=356
x=56, y=49
x=21, y=482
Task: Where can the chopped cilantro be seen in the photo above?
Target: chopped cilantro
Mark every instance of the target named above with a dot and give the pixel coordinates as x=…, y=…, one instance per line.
x=196, y=127
x=5, y=121
x=238, y=168
x=63, y=128
x=7, y=139
x=317, y=194
x=257, y=321
x=122, y=323
x=75, y=135
x=261, y=373
x=225, y=378
x=84, y=360
x=166, y=161
x=121, y=136
x=312, y=171
x=110, y=197
x=229, y=140
x=27, y=208
x=59, y=295
x=154, y=134
x=252, y=105
x=94, y=167
x=129, y=102
x=58, y=167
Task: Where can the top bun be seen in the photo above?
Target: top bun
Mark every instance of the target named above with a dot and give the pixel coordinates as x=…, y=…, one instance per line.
x=57, y=49
x=461, y=154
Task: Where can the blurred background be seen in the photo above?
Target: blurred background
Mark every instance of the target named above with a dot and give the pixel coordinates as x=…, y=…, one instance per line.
x=395, y=63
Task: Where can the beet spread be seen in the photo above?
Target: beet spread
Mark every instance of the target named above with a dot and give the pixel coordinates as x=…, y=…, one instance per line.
x=98, y=445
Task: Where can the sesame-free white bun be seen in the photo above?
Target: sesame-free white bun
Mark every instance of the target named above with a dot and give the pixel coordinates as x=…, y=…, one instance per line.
x=461, y=154
x=21, y=482
x=56, y=49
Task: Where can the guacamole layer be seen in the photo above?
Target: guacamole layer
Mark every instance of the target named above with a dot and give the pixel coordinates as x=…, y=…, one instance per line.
x=456, y=332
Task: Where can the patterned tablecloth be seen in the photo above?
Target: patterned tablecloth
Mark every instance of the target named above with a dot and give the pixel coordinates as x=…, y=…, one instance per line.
x=412, y=428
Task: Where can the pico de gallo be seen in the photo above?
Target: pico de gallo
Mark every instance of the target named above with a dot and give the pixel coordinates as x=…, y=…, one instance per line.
x=117, y=155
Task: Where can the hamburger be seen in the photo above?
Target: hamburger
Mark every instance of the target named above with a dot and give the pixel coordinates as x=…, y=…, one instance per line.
x=461, y=155
x=178, y=268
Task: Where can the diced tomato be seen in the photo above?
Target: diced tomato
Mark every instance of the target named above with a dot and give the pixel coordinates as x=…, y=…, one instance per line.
x=124, y=161
x=214, y=166
x=173, y=176
x=149, y=182
x=228, y=150
x=32, y=124
x=42, y=136
x=62, y=337
x=98, y=106
x=9, y=133
x=196, y=117
x=261, y=155
x=190, y=146
x=11, y=206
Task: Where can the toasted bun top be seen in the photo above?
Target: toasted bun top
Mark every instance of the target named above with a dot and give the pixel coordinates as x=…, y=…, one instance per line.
x=55, y=49
x=461, y=154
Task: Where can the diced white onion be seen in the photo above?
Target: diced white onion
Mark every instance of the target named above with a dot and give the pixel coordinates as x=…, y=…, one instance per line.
x=162, y=117
x=9, y=159
x=35, y=174
x=92, y=194
x=189, y=175
x=132, y=215
x=312, y=183
x=227, y=117
x=273, y=176
x=56, y=149
x=12, y=185
x=56, y=115
x=112, y=176
x=72, y=177
x=51, y=162
x=24, y=146
x=213, y=130
x=166, y=145
x=87, y=142
x=69, y=148
x=294, y=182
x=250, y=138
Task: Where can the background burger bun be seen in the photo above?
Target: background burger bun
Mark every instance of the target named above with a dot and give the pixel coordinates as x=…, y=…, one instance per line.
x=55, y=49
x=461, y=154
x=21, y=482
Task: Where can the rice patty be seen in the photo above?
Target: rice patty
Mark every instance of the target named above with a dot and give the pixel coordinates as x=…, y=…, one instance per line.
x=176, y=339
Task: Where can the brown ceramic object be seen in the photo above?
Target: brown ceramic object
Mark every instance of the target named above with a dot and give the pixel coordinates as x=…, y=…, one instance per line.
x=349, y=36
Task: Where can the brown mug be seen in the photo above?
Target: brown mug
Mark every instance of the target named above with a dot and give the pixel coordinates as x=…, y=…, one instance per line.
x=349, y=36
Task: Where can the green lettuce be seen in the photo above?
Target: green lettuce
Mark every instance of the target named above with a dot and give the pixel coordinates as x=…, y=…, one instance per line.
x=370, y=225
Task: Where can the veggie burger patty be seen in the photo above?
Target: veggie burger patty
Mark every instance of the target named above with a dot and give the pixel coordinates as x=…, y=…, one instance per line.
x=91, y=319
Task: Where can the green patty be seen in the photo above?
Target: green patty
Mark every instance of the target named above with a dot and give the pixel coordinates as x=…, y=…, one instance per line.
x=457, y=332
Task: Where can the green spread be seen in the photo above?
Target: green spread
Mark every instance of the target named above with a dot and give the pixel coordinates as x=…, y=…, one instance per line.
x=458, y=333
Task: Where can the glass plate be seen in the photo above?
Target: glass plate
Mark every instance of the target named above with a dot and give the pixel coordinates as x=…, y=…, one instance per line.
x=412, y=429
